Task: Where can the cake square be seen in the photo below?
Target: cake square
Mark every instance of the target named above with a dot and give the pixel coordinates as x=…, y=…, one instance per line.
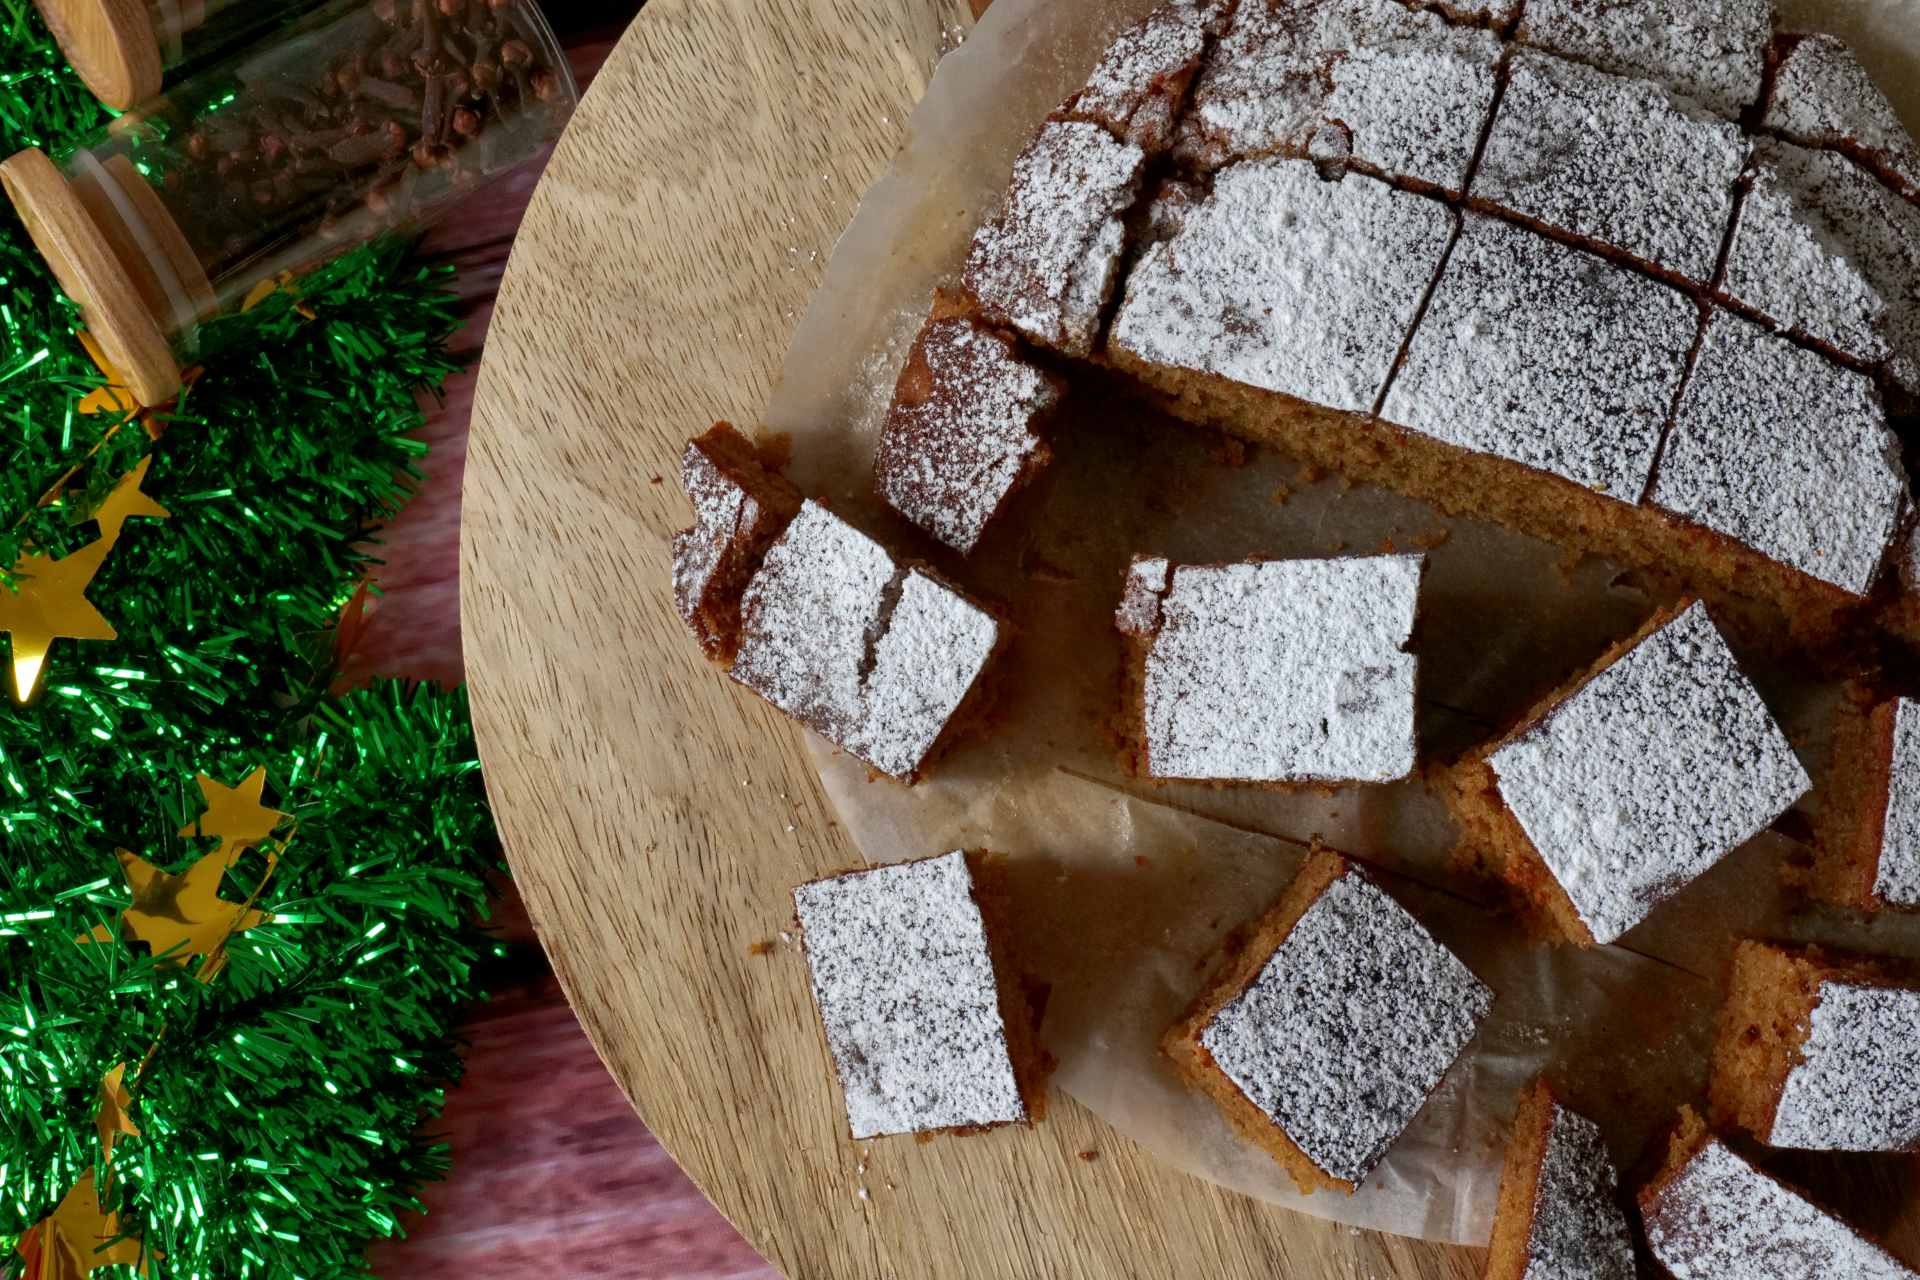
x=1547, y=356
x=1823, y=249
x=1326, y=1033
x=1629, y=782
x=1709, y=1214
x=739, y=508
x=1867, y=831
x=1412, y=91
x=876, y=657
x=1272, y=670
x=1287, y=283
x=1559, y=1216
x=1783, y=450
x=922, y=1012
x=1619, y=163
x=1712, y=51
x=1045, y=265
x=1823, y=97
x=1140, y=83
x=1816, y=1051
x=963, y=430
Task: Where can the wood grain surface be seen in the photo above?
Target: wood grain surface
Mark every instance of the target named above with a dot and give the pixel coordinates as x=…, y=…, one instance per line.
x=655, y=816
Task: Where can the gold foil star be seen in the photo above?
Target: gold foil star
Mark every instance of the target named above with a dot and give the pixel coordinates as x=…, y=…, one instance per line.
x=180, y=916
x=125, y=501
x=236, y=815
x=112, y=1120
x=72, y=1242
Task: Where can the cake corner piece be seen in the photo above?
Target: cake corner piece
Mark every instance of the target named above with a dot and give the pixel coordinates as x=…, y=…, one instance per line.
x=1559, y=1211
x=1866, y=831
x=740, y=505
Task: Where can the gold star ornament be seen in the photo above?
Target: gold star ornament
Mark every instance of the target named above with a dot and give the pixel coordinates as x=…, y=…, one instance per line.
x=236, y=814
x=180, y=916
x=112, y=1119
x=77, y=1239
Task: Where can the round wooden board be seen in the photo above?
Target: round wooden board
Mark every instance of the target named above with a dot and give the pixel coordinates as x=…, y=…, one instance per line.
x=656, y=816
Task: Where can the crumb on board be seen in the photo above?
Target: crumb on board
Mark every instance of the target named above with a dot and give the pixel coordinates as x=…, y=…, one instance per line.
x=1142, y=861
x=761, y=948
x=1089, y=1156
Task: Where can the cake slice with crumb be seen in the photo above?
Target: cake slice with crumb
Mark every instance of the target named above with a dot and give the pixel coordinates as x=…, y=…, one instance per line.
x=1711, y=1215
x=1628, y=783
x=920, y=999
x=1816, y=1050
x=1140, y=84
x=1325, y=1033
x=1867, y=830
x=1823, y=97
x=1712, y=52
x=1559, y=1215
x=739, y=507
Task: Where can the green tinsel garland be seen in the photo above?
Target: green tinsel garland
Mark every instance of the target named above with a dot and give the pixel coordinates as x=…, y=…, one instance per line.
x=280, y=1116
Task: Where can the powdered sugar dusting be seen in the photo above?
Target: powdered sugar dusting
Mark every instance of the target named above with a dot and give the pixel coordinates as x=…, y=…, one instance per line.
x=719, y=504
x=1285, y=282
x=1547, y=356
x=1786, y=452
x=1823, y=97
x=904, y=984
x=1649, y=774
x=872, y=657
x=1349, y=1027
x=1579, y=1229
x=1713, y=51
x=1857, y=1085
x=1413, y=90
x=1618, y=161
x=1141, y=81
x=1720, y=1217
x=1045, y=264
x=959, y=437
x=1281, y=670
x=1898, y=880
x=1147, y=580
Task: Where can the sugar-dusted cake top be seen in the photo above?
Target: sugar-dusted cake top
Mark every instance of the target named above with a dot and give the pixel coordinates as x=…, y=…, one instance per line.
x=737, y=506
x=1648, y=774
x=1045, y=264
x=1579, y=1230
x=904, y=982
x=1856, y=1084
x=874, y=657
x=1412, y=90
x=1823, y=97
x=1348, y=1028
x=1898, y=880
x=960, y=434
x=1617, y=161
x=1140, y=83
x=1718, y=1216
x=1277, y=670
x=1712, y=51
x=1786, y=452
x=1286, y=282
x=1548, y=356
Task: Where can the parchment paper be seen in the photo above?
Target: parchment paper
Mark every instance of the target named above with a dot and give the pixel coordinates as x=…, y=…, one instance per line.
x=1127, y=888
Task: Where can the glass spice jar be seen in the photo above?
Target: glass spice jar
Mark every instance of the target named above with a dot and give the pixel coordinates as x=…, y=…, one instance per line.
x=366, y=117
x=122, y=49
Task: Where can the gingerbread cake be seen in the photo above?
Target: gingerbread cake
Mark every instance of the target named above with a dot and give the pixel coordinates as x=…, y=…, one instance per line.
x=1817, y=1050
x=922, y=1008
x=1625, y=785
x=1823, y=97
x=1560, y=1214
x=1271, y=670
x=1710, y=1214
x=1326, y=1031
x=739, y=508
x=965, y=427
x=1867, y=828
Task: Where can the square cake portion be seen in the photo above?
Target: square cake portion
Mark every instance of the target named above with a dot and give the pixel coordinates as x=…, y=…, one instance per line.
x=1710, y=1215
x=1140, y=83
x=1410, y=91
x=1271, y=670
x=1548, y=356
x=1823, y=97
x=1284, y=282
x=1327, y=1031
x=1785, y=451
x=1619, y=163
x=1712, y=51
x=964, y=429
x=1045, y=265
x=877, y=657
x=1867, y=830
x=739, y=508
x=1628, y=783
x=917, y=994
x=1560, y=1215
x=1817, y=1051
